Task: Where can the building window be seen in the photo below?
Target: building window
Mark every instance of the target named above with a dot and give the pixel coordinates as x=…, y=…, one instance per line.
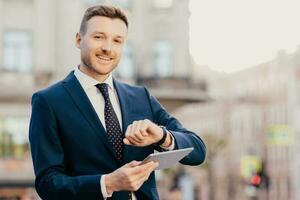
x=163, y=58
x=13, y=137
x=162, y=3
x=125, y=68
x=17, y=51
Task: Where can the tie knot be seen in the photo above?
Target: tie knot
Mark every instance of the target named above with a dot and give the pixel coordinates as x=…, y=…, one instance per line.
x=103, y=88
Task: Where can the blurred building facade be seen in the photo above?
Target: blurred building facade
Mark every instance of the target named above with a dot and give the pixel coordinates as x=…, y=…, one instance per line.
x=37, y=48
x=256, y=113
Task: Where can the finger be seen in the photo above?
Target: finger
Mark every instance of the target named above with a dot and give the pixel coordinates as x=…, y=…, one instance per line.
x=145, y=177
x=144, y=133
x=128, y=130
x=138, y=136
x=152, y=167
x=133, y=163
x=126, y=141
x=143, y=172
x=135, y=132
x=133, y=141
x=139, y=174
x=144, y=127
x=128, y=135
x=144, y=167
x=149, y=170
x=129, y=141
x=136, y=170
x=135, y=125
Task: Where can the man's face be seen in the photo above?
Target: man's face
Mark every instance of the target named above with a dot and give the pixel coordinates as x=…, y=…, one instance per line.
x=101, y=45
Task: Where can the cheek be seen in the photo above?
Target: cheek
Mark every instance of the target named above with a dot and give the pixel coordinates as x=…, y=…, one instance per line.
x=84, y=48
x=119, y=52
x=88, y=51
x=89, y=45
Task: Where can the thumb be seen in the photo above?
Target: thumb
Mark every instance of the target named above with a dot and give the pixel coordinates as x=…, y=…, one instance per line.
x=133, y=163
x=126, y=141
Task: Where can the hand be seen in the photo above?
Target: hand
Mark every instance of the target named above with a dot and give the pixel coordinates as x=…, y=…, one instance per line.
x=143, y=133
x=129, y=177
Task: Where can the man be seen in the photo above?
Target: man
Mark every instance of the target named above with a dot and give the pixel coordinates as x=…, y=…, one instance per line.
x=89, y=132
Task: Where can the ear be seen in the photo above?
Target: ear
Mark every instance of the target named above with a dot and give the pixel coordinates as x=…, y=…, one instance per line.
x=78, y=40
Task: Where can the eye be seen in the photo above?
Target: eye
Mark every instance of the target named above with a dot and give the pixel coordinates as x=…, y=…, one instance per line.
x=99, y=37
x=118, y=41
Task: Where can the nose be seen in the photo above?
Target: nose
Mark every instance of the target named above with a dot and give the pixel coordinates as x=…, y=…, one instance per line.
x=106, y=47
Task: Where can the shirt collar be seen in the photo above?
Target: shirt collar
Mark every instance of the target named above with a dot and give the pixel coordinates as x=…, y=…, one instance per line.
x=88, y=82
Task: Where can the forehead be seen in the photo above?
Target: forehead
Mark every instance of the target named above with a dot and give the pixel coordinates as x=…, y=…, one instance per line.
x=114, y=27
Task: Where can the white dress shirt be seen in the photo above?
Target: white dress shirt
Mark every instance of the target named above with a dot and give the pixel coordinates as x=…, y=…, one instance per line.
x=96, y=98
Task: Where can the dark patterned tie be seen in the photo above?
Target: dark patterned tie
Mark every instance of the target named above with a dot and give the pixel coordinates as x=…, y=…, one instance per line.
x=112, y=123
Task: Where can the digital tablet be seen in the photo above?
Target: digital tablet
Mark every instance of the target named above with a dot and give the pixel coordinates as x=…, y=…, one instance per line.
x=167, y=159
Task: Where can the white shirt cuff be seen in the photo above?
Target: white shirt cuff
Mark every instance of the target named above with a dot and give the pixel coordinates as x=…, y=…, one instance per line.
x=103, y=188
x=172, y=146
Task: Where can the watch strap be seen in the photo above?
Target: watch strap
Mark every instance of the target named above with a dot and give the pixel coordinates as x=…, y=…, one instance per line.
x=163, y=139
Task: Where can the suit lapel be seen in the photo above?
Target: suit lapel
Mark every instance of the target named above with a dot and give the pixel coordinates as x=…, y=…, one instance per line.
x=84, y=105
x=124, y=103
x=125, y=106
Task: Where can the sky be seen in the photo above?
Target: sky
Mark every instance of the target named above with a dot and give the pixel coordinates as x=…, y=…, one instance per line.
x=230, y=35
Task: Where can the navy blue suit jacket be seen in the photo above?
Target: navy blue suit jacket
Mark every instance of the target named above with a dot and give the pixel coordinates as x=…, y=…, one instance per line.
x=71, y=150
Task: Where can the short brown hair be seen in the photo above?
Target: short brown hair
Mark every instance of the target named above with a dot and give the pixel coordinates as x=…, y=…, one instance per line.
x=105, y=11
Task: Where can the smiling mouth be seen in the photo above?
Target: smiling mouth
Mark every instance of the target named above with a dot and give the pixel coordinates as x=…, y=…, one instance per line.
x=104, y=58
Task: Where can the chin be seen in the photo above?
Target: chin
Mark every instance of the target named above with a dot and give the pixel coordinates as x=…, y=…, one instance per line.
x=103, y=72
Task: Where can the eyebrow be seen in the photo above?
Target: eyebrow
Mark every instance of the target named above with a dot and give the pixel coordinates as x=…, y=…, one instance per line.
x=103, y=33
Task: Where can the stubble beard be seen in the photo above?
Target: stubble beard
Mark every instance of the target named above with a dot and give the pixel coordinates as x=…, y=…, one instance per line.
x=89, y=65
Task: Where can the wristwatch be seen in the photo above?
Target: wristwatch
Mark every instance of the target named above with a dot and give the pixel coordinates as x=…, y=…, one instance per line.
x=163, y=139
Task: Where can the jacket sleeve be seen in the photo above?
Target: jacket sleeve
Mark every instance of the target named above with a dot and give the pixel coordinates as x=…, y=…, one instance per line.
x=183, y=137
x=51, y=181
